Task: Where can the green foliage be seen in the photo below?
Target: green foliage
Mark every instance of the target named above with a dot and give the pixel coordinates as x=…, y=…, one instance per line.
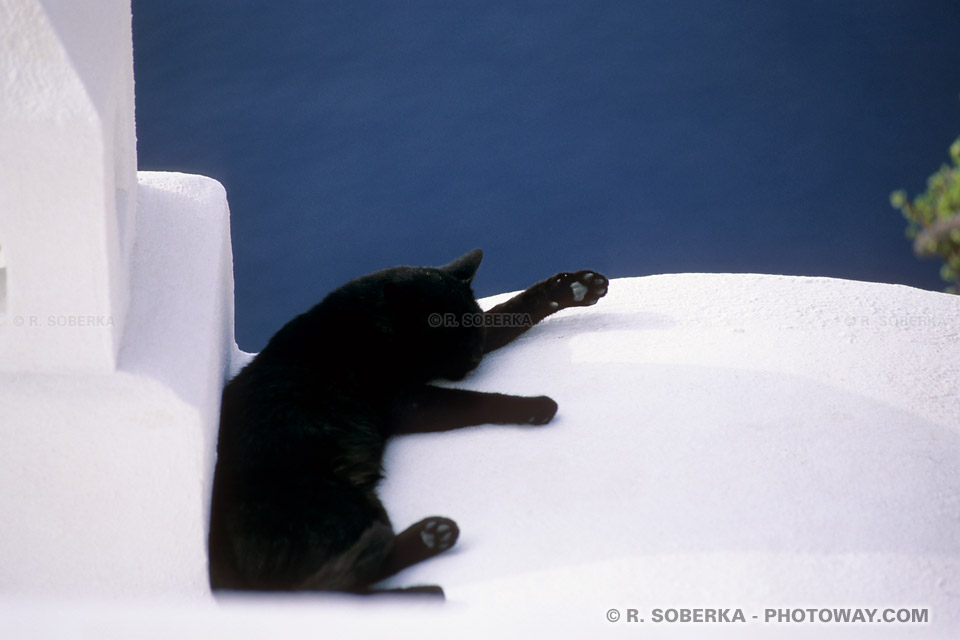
x=933, y=218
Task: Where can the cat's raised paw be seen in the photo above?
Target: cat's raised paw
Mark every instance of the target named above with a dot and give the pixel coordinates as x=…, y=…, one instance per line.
x=580, y=289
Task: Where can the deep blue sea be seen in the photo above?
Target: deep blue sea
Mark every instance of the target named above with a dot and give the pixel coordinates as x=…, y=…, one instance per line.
x=632, y=137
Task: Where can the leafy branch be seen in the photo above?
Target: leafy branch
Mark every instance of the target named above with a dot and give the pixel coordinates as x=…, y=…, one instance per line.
x=933, y=218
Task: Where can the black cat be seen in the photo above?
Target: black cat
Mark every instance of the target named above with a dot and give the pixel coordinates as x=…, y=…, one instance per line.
x=303, y=426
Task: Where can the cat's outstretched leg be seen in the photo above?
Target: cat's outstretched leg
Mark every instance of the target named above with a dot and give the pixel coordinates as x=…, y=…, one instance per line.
x=434, y=409
x=378, y=554
x=416, y=543
x=561, y=291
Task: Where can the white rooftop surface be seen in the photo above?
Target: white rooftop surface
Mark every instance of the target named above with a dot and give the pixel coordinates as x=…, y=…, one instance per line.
x=723, y=441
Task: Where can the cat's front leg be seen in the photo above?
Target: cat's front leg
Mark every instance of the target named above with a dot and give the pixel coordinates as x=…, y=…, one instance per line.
x=519, y=313
x=433, y=409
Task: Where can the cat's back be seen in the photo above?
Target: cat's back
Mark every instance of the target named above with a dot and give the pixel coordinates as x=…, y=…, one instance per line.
x=324, y=386
x=305, y=405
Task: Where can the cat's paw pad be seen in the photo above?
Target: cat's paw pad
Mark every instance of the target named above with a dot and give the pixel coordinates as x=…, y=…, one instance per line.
x=541, y=410
x=438, y=534
x=580, y=289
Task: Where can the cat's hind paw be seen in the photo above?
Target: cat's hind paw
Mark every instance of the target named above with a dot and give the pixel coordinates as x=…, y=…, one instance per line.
x=438, y=534
x=580, y=289
x=425, y=539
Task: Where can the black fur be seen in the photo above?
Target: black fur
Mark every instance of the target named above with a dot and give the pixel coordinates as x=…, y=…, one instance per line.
x=303, y=426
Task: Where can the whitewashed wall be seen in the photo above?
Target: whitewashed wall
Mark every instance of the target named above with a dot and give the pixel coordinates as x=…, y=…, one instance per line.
x=116, y=321
x=68, y=182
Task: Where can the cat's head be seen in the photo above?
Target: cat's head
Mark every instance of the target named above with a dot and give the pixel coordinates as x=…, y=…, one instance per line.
x=433, y=319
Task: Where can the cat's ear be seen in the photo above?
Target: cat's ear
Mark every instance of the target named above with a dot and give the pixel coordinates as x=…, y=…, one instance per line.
x=464, y=267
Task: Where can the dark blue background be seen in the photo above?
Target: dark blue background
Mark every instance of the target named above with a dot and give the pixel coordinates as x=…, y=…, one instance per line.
x=632, y=137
